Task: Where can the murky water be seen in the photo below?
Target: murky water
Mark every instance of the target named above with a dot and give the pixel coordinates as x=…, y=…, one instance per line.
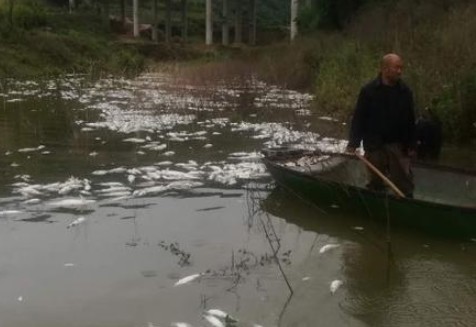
x=113, y=191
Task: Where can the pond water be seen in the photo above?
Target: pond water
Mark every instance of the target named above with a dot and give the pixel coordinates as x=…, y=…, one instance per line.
x=143, y=202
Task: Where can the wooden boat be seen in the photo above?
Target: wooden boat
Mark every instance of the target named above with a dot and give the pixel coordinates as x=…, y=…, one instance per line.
x=444, y=199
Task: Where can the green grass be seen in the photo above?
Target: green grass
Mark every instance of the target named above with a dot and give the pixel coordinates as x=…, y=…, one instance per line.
x=42, y=41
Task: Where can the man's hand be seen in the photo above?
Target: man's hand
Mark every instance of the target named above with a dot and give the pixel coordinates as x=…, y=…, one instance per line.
x=350, y=150
x=412, y=154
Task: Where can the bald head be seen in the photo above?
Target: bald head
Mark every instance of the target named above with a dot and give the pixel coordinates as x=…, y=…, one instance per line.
x=391, y=68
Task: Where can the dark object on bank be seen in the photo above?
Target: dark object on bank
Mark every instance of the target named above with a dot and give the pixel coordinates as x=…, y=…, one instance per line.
x=429, y=135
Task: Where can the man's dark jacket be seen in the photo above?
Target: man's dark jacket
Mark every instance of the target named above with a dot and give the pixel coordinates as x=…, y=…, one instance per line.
x=383, y=115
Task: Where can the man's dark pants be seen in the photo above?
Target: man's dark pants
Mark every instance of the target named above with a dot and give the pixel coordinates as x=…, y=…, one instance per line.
x=393, y=162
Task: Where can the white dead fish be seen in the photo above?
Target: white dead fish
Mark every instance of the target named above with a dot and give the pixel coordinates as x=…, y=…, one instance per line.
x=304, y=279
x=71, y=203
x=207, y=146
x=220, y=314
x=217, y=313
x=9, y=212
x=335, y=285
x=359, y=228
x=328, y=247
x=158, y=147
x=134, y=140
x=32, y=201
x=93, y=154
x=76, y=222
x=99, y=172
x=169, y=153
x=187, y=279
x=150, y=191
x=114, y=189
x=25, y=150
x=164, y=163
x=69, y=265
x=214, y=321
x=181, y=324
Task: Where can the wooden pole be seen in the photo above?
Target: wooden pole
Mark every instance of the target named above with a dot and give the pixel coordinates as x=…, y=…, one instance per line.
x=382, y=176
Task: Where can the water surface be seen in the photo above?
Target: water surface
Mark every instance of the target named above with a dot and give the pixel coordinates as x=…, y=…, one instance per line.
x=113, y=190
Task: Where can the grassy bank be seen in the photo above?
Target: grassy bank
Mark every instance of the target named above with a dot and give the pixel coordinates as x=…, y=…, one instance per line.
x=434, y=37
x=38, y=40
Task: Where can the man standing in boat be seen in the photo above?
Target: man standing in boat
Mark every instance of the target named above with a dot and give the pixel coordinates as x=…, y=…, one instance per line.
x=384, y=120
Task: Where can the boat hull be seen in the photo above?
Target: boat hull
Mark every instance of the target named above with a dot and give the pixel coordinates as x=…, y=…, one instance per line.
x=329, y=195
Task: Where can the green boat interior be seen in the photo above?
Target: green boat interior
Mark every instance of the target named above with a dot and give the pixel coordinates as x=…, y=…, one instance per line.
x=433, y=183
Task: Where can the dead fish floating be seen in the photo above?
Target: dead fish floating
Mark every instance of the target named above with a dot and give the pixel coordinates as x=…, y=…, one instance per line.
x=187, y=279
x=76, y=222
x=71, y=203
x=214, y=321
x=335, y=285
x=328, y=247
x=221, y=315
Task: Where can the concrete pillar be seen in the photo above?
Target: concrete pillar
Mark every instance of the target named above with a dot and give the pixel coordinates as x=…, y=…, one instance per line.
x=226, y=23
x=209, y=23
x=238, y=22
x=72, y=6
x=155, y=24
x=294, y=14
x=184, y=20
x=252, y=29
x=135, y=9
x=168, y=20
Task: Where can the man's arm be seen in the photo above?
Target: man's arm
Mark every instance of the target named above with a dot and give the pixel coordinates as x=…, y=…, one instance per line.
x=411, y=123
x=357, y=125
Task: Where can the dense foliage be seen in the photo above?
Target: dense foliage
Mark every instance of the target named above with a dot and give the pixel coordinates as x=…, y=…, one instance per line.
x=433, y=36
x=34, y=40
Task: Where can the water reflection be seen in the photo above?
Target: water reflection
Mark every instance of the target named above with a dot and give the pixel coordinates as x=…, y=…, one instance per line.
x=409, y=286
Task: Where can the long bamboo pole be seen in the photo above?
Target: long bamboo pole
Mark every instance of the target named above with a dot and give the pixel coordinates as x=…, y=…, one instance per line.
x=381, y=175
